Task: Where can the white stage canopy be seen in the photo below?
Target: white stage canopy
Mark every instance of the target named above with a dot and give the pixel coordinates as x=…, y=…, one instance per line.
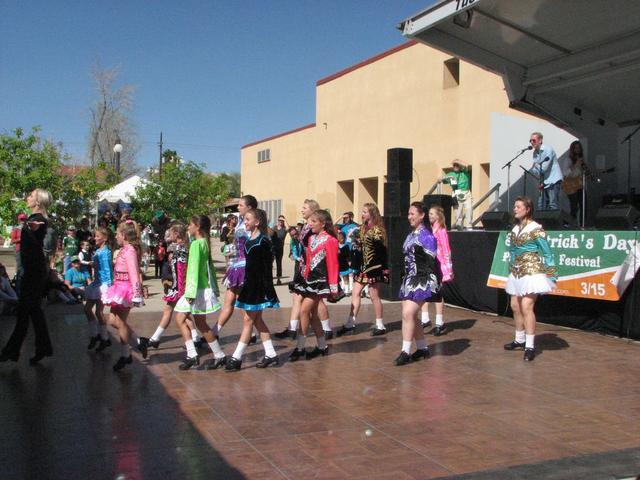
x=122, y=192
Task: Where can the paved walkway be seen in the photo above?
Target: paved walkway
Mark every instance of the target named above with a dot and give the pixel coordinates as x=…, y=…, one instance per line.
x=472, y=409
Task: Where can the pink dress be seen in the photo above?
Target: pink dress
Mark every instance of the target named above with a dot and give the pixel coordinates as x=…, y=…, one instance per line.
x=444, y=253
x=126, y=289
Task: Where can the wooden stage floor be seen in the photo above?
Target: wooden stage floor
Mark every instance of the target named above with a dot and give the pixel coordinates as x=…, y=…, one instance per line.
x=472, y=410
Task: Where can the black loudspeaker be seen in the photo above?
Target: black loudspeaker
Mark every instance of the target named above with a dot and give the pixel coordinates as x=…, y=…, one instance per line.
x=554, y=219
x=444, y=201
x=400, y=165
x=397, y=230
x=617, y=217
x=496, y=220
x=396, y=199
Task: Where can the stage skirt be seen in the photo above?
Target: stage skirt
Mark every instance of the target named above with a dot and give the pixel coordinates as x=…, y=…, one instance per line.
x=119, y=295
x=234, y=278
x=539, y=283
x=95, y=292
x=205, y=302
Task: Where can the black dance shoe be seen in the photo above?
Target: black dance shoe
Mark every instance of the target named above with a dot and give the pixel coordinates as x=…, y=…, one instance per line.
x=5, y=357
x=39, y=356
x=122, y=362
x=328, y=334
x=439, y=330
x=420, y=354
x=200, y=344
x=344, y=330
x=266, y=361
x=253, y=340
x=103, y=344
x=296, y=354
x=143, y=346
x=403, y=359
x=317, y=352
x=233, y=365
x=529, y=354
x=154, y=343
x=93, y=341
x=514, y=346
x=189, y=362
x=426, y=324
x=216, y=363
x=376, y=332
x=286, y=333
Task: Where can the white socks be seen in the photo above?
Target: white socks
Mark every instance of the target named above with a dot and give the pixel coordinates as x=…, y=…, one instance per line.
x=406, y=346
x=351, y=322
x=216, y=349
x=158, y=334
x=439, y=320
x=195, y=336
x=93, y=328
x=326, y=325
x=520, y=337
x=302, y=339
x=529, y=342
x=269, y=351
x=380, y=324
x=239, y=350
x=293, y=325
x=424, y=317
x=191, y=349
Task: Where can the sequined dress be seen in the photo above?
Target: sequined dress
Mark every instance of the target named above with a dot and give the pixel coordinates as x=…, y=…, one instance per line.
x=321, y=267
x=422, y=277
x=531, y=266
x=374, y=267
x=234, y=277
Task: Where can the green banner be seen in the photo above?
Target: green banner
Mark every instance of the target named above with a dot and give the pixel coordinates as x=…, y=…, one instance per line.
x=586, y=261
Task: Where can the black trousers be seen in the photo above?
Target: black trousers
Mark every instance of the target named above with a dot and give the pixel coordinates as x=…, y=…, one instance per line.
x=278, y=255
x=29, y=308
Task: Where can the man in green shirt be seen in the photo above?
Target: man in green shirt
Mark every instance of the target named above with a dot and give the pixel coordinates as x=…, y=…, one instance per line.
x=70, y=247
x=460, y=183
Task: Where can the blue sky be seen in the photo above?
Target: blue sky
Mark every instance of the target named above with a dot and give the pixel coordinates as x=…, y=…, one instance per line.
x=211, y=75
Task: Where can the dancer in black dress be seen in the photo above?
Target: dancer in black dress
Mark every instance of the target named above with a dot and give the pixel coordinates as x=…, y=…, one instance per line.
x=257, y=293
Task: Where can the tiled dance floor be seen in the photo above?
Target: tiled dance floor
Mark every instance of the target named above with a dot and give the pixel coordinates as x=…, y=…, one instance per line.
x=472, y=409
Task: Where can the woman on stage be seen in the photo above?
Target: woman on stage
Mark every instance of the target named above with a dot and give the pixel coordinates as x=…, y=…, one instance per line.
x=532, y=272
x=420, y=284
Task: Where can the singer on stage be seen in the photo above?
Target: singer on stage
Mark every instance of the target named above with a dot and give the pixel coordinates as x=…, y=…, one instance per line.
x=547, y=168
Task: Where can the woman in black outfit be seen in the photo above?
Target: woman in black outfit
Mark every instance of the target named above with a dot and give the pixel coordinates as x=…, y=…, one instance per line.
x=34, y=282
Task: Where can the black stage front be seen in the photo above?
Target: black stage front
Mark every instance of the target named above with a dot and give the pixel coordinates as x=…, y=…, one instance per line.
x=472, y=254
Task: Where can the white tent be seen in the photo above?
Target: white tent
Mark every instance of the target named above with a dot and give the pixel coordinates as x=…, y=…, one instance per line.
x=123, y=191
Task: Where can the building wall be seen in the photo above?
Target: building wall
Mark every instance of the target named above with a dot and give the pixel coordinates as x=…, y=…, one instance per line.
x=398, y=99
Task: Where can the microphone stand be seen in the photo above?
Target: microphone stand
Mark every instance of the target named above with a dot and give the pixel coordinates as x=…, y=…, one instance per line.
x=508, y=167
x=628, y=138
x=529, y=172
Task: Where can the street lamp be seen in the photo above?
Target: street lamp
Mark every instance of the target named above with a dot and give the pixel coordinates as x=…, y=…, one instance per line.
x=117, y=149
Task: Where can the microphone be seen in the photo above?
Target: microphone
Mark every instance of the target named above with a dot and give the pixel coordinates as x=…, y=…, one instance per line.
x=527, y=148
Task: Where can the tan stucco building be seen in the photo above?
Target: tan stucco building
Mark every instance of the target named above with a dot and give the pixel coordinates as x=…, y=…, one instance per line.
x=412, y=96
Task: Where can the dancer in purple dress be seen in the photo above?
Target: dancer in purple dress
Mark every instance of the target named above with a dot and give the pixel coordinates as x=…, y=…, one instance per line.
x=421, y=283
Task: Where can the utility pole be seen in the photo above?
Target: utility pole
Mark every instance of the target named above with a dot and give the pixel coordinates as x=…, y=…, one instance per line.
x=160, y=161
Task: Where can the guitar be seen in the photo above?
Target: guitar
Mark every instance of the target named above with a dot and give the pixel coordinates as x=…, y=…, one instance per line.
x=571, y=185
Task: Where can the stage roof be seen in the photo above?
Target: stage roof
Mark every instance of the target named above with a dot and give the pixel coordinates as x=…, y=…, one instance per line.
x=581, y=55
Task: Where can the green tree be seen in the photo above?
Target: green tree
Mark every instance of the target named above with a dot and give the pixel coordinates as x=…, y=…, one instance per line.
x=26, y=162
x=183, y=190
x=233, y=183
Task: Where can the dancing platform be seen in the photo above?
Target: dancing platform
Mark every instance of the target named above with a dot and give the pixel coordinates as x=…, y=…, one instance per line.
x=471, y=411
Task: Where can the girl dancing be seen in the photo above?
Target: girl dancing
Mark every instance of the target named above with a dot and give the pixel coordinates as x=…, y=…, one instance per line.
x=102, y=280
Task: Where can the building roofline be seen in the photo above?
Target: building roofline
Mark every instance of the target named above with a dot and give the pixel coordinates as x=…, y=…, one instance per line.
x=273, y=137
x=366, y=62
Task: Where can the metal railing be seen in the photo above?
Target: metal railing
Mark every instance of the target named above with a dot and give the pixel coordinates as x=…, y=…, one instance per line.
x=494, y=205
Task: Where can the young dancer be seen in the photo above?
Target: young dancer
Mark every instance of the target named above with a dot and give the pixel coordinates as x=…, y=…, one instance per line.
x=374, y=269
x=257, y=293
x=234, y=277
x=200, y=294
x=125, y=293
x=532, y=272
x=308, y=208
x=421, y=283
x=102, y=280
x=439, y=229
x=343, y=263
x=178, y=256
x=320, y=281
